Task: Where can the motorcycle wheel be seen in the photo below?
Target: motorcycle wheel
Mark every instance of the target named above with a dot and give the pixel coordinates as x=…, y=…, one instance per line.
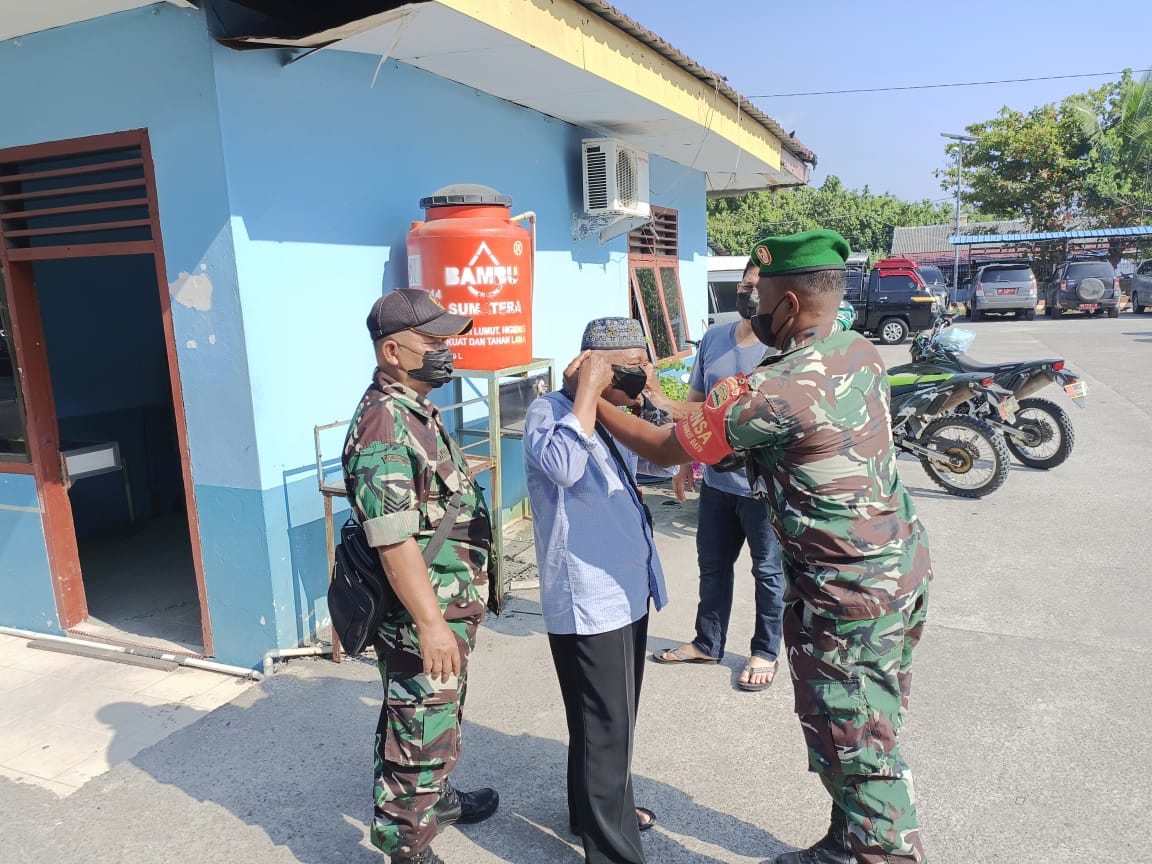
x=978, y=458
x=1050, y=434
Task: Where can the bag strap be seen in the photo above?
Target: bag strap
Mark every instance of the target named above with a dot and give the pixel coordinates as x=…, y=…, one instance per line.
x=455, y=505
x=611, y=445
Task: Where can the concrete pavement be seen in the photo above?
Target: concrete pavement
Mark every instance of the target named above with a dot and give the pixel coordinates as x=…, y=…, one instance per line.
x=1026, y=731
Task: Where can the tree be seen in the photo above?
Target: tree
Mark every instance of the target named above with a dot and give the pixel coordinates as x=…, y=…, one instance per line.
x=1087, y=158
x=1029, y=165
x=1120, y=134
x=866, y=220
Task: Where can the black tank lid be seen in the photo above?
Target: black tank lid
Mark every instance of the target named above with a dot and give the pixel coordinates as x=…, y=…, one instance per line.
x=464, y=194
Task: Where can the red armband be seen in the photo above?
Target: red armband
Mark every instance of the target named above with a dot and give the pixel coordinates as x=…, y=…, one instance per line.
x=701, y=433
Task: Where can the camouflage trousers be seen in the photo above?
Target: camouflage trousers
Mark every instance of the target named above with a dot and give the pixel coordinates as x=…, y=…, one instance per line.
x=417, y=738
x=852, y=680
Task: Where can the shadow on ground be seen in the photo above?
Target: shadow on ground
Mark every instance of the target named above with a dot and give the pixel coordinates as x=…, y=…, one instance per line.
x=293, y=758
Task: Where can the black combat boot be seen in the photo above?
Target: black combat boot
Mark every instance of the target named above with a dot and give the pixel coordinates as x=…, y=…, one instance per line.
x=465, y=808
x=425, y=857
x=832, y=848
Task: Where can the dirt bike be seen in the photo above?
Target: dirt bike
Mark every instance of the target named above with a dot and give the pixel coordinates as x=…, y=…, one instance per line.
x=960, y=452
x=1040, y=435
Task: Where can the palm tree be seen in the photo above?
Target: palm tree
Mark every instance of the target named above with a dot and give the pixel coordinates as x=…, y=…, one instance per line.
x=1122, y=141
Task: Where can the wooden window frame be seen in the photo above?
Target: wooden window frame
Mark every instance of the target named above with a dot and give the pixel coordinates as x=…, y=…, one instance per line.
x=17, y=260
x=655, y=247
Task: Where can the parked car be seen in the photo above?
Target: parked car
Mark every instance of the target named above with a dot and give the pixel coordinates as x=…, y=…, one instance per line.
x=724, y=274
x=937, y=284
x=1002, y=288
x=893, y=302
x=1086, y=283
x=1141, y=290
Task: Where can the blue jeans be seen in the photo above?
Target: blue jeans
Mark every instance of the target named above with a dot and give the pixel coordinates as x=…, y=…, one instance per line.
x=725, y=522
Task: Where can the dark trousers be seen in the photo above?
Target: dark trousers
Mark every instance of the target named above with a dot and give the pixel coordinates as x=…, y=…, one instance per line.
x=600, y=677
x=725, y=521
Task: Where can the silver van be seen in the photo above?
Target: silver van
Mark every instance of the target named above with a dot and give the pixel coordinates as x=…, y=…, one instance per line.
x=1002, y=288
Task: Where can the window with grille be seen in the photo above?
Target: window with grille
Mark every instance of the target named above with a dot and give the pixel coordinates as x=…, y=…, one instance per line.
x=654, y=274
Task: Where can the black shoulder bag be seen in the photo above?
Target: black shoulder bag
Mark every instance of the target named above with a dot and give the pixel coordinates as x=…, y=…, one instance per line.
x=360, y=595
x=611, y=445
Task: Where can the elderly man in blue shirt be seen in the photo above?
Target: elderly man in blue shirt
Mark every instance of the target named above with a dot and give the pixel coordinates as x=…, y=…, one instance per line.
x=599, y=573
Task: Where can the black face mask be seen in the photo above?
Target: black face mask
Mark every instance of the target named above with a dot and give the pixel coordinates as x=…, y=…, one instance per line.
x=436, y=368
x=631, y=380
x=762, y=325
x=746, y=303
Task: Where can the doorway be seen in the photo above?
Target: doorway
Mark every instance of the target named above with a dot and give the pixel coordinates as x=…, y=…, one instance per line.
x=99, y=391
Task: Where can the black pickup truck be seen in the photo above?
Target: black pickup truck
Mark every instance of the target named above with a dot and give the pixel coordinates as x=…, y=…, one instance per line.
x=891, y=301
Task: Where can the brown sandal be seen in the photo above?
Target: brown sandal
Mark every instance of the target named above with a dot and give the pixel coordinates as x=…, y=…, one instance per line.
x=677, y=655
x=758, y=670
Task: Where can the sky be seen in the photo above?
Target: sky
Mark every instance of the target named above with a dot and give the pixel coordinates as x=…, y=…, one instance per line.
x=891, y=142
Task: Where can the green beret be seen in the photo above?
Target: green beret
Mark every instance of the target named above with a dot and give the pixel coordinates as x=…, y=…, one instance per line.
x=805, y=252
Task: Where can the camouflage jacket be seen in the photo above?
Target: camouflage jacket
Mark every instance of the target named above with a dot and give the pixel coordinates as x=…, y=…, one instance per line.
x=815, y=422
x=401, y=468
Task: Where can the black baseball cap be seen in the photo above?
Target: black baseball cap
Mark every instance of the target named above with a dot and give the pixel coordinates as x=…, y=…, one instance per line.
x=414, y=309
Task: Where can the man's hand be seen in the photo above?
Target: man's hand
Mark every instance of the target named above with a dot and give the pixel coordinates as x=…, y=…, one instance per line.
x=684, y=478
x=589, y=372
x=572, y=371
x=408, y=574
x=595, y=373
x=439, y=649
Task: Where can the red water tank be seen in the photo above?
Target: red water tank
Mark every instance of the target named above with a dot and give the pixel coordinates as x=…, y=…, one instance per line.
x=478, y=262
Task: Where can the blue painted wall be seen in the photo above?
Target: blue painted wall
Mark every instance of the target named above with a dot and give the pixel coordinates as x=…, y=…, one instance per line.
x=26, y=599
x=152, y=68
x=288, y=191
x=325, y=172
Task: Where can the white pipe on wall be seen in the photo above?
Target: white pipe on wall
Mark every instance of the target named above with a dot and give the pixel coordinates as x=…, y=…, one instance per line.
x=280, y=653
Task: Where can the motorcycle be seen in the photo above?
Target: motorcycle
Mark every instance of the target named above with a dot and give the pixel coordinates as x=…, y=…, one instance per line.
x=960, y=452
x=1040, y=435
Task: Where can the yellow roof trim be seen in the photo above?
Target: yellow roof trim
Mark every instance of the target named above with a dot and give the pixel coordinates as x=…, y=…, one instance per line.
x=574, y=35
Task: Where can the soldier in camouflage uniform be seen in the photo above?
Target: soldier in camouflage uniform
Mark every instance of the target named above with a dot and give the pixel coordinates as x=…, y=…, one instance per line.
x=813, y=421
x=403, y=473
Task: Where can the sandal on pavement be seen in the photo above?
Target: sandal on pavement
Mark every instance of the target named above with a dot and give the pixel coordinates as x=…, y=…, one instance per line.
x=751, y=670
x=679, y=655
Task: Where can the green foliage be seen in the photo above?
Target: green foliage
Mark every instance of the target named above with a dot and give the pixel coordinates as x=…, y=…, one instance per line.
x=669, y=377
x=1088, y=157
x=1030, y=165
x=866, y=220
x=1120, y=134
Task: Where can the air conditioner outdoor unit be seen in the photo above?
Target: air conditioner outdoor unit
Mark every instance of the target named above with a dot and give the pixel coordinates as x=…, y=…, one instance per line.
x=615, y=179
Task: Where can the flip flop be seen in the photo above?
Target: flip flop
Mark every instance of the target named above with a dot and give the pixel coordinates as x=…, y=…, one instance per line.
x=752, y=670
x=666, y=655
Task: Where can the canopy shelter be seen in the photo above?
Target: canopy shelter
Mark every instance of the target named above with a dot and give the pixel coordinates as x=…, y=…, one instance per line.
x=1089, y=234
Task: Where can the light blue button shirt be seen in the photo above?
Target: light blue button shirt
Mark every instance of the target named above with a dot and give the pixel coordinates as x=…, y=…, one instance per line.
x=595, y=552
